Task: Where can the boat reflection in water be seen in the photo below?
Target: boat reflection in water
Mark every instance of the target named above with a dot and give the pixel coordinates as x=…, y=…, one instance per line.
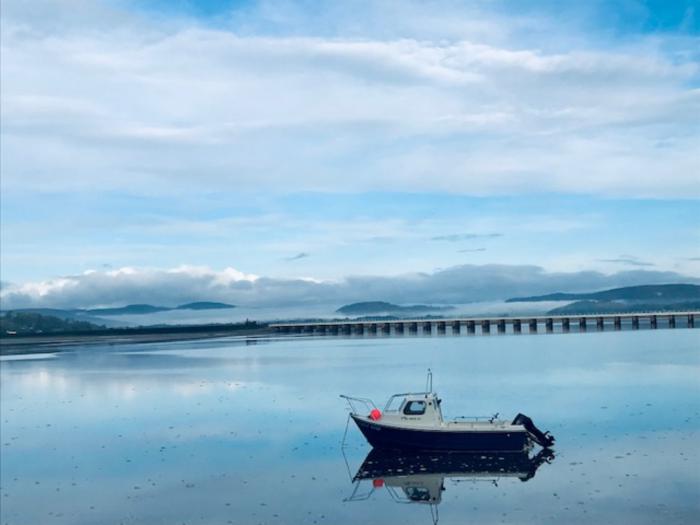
x=420, y=477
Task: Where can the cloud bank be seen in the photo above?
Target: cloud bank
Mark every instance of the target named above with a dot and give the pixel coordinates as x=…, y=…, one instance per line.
x=398, y=96
x=170, y=287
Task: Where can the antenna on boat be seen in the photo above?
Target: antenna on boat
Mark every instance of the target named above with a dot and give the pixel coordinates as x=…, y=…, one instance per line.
x=429, y=381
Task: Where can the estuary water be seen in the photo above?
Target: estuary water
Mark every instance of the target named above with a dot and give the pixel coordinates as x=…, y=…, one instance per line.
x=249, y=431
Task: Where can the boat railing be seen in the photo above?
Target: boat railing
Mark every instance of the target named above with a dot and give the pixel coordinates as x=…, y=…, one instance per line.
x=493, y=480
x=360, y=496
x=354, y=402
x=474, y=418
x=387, y=407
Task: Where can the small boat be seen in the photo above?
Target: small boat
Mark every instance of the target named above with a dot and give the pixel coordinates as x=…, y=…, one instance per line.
x=413, y=421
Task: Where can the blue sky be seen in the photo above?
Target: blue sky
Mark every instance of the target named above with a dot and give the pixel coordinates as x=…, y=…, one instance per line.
x=314, y=142
x=616, y=17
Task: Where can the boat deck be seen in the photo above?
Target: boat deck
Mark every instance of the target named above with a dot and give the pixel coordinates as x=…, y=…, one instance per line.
x=397, y=422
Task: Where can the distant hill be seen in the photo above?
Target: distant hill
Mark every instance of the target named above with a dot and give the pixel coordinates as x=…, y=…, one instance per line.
x=150, y=309
x=67, y=315
x=603, y=307
x=651, y=293
x=93, y=314
x=381, y=307
x=35, y=323
x=204, y=305
x=128, y=309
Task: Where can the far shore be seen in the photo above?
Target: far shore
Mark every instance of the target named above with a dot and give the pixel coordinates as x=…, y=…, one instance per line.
x=42, y=343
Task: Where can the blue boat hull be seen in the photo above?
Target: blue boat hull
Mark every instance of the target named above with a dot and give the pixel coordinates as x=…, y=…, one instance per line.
x=385, y=437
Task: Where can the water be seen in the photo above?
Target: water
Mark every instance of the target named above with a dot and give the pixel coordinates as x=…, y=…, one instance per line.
x=225, y=431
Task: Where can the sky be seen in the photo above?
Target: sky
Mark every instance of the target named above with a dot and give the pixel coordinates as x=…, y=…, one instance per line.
x=302, y=152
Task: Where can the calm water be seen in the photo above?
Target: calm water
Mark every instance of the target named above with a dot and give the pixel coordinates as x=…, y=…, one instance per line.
x=228, y=432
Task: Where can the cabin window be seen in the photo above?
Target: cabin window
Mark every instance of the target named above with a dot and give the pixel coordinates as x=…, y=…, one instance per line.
x=417, y=493
x=414, y=408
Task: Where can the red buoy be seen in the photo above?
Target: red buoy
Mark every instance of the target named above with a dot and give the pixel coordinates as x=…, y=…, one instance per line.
x=378, y=483
x=375, y=414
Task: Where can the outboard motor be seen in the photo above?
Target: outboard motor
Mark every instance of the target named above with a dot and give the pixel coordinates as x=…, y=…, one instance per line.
x=544, y=456
x=543, y=439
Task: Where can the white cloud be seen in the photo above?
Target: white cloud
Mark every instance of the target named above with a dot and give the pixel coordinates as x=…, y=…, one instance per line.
x=174, y=105
x=170, y=287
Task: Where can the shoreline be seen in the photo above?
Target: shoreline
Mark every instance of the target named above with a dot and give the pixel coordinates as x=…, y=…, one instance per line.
x=41, y=343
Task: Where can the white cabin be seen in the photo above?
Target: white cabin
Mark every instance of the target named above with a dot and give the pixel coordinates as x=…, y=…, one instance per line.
x=413, y=409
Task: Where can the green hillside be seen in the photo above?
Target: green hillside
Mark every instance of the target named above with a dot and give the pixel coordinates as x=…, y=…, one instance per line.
x=34, y=323
x=651, y=293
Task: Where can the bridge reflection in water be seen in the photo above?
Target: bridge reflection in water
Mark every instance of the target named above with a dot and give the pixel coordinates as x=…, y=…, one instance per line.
x=487, y=325
x=420, y=477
